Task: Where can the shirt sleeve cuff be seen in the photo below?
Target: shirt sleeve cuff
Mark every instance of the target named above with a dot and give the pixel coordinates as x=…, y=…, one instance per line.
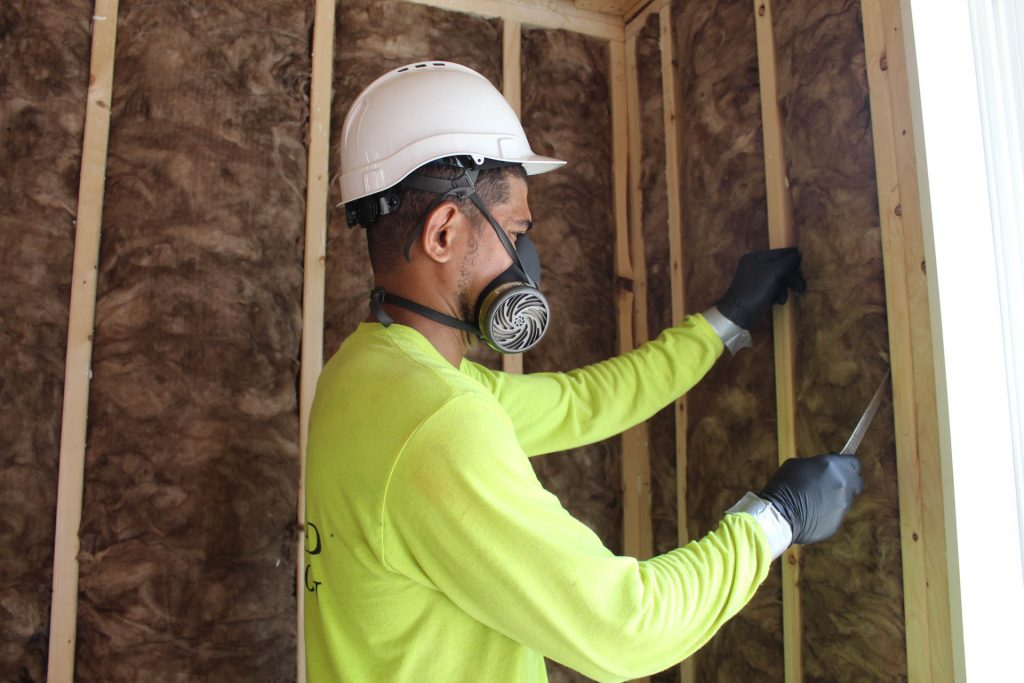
x=732, y=335
x=774, y=525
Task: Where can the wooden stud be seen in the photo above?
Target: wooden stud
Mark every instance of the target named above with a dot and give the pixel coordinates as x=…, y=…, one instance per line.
x=677, y=283
x=314, y=271
x=637, y=17
x=928, y=465
x=677, y=280
x=925, y=577
x=636, y=451
x=633, y=440
x=511, y=64
x=511, y=86
x=781, y=233
x=636, y=199
x=623, y=264
x=550, y=14
x=616, y=7
x=78, y=362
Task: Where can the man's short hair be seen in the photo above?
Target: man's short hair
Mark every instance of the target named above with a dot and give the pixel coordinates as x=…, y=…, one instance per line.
x=387, y=237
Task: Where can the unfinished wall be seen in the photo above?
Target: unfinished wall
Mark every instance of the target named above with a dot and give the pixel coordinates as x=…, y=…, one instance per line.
x=188, y=528
x=654, y=225
x=567, y=115
x=372, y=38
x=852, y=585
x=731, y=428
x=42, y=113
x=188, y=524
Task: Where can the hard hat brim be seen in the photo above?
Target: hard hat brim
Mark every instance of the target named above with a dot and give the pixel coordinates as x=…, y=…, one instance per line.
x=354, y=187
x=536, y=164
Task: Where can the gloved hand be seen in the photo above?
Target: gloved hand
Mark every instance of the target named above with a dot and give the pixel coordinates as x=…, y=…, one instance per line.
x=814, y=494
x=762, y=277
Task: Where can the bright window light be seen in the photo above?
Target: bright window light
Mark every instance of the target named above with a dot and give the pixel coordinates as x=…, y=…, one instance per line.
x=968, y=65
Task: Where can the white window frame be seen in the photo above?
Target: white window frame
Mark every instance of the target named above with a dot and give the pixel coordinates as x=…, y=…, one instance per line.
x=969, y=204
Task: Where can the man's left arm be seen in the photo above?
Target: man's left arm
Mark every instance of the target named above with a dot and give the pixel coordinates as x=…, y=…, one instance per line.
x=557, y=411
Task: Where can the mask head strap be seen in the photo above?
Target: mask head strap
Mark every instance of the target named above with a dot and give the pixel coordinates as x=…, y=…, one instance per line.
x=378, y=297
x=462, y=187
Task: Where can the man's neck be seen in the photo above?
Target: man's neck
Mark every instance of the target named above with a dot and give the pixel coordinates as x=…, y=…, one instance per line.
x=449, y=342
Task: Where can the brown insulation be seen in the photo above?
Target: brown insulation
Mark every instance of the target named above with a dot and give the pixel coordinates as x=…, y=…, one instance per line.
x=373, y=37
x=567, y=114
x=45, y=53
x=731, y=428
x=188, y=528
x=852, y=585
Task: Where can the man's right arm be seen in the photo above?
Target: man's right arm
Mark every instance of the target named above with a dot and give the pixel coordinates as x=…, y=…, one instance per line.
x=466, y=515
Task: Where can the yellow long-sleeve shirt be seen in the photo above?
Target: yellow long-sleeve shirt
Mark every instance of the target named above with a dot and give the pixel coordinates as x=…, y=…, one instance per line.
x=433, y=553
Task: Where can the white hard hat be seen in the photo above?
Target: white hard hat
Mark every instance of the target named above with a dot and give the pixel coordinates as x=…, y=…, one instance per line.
x=424, y=112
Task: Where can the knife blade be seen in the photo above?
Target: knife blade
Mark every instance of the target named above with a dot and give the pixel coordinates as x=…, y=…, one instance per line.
x=865, y=420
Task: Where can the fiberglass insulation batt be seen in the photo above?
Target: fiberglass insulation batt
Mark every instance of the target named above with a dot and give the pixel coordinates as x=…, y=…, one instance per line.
x=852, y=585
x=731, y=446
x=188, y=529
x=44, y=53
x=567, y=115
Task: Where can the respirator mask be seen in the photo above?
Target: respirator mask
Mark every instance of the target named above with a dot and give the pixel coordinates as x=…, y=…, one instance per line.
x=511, y=312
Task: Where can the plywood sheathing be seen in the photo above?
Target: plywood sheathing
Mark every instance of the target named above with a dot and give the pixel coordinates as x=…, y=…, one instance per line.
x=731, y=434
x=373, y=37
x=188, y=527
x=42, y=113
x=853, y=619
x=566, y=114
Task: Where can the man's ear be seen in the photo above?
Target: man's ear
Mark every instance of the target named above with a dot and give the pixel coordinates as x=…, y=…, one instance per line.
x=442, y=228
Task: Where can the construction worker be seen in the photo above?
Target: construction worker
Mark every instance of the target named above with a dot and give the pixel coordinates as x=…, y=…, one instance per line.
x=433, y=553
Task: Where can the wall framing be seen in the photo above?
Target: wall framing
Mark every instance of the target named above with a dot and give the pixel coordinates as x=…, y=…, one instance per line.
x=511, y=86
x=927, y=612
x=925, y=573
x=78, y=366
x=677, y=281
x=314, y=275
x=781, y=233
x=636, y=455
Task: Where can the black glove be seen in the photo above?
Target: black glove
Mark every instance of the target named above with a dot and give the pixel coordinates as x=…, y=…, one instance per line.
x=762, y=277
x=813, y=494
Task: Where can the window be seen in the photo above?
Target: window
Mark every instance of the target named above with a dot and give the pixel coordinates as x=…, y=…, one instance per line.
x=967, y=58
